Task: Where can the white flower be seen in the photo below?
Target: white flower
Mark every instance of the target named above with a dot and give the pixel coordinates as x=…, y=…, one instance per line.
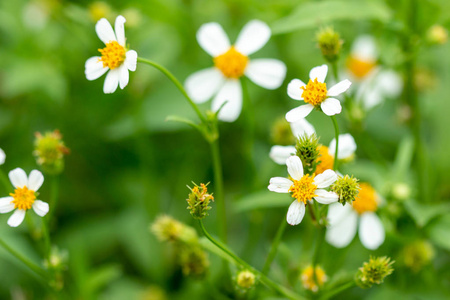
x=2, y=156
x=303, y=188
x=230, y=63
x=24, y=196
x=374, y=83
x=115, y=56
x=315, y=94
x=343, y=221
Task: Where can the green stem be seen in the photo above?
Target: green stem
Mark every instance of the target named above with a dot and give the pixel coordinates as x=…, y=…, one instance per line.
x=266, y=281
x=177, y=84
x=273, y=249
x=54, y=196
x=38, y=270
x=338, y=290
x=248, y=136
x=336, y=133
x=218, y=189
x=317, y=251
x=46, y=236
x=334, y=69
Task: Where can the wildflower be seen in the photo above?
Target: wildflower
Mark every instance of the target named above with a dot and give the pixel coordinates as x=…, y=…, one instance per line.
x=343, y=221
x=347, y=188
x=303, y=188
x=2, y=156
x=374, y=271
x=308, y=280
x=246, y=279
x=115, y=56
x=330, y=43
x=231, y=62
x=49, y=150
x=373, y=83
x=199, y=200
x=315, y=94
x=24, y=196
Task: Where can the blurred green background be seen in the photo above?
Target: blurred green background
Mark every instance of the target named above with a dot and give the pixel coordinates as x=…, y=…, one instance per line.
x=128, y=165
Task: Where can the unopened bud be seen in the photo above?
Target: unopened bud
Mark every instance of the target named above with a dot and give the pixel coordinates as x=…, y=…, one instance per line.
x=437, y=35
x=347, y=189
x=307, y=148
x=199, y=200
x=330, y=43
x=313, y=282
x=246, y=279
x=374, y=271
x=49, y=150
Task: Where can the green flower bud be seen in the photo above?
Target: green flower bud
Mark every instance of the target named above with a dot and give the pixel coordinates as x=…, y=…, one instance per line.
x=245, y=279
x=307, y=148
x=199, y=201
x=417, y=255
x=166, y=228
x=374, y=271
x=347, y=189
x=330, y=43
x=49, y=150
x=437, y=35
x=193, y=261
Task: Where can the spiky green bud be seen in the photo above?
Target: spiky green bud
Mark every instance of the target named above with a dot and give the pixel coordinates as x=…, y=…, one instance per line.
x=330, y=43
x=307, y=148
x=199, y=200
x=374, y=271
x=347, y=189
x=49, y=150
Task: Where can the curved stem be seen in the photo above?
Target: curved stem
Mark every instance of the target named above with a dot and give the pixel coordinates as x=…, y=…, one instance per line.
x=338, y=290
x=218, y=189
x=177, y=84
x=273, y=249
x=54, y=196
x=266, y=281
x=336, y=133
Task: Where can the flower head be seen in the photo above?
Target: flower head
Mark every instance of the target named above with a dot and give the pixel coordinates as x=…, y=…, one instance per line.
x=231, y=62
x=246, y=279
x=303, y=188
x=166, y=228
x=330, y=43
x=49, y=150
x=199, y=200
x=315, y=94
x=374, y=271
x=24, y=196
x=115, y=56
x=308, y=280
x=347, y=188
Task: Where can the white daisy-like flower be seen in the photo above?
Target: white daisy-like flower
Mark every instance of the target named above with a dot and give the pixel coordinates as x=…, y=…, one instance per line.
x=343, y=221
x=231, y=62
x=315, y=94
x=115, y=56
x=2, y=156
x=24, y=196
x=373, y=83
x=303, y=188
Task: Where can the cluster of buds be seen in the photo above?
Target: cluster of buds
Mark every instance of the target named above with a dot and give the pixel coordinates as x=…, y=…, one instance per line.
x=374, y=271
x=199, y=200
x=307, y=148
x=49, y=150
x=347, y=188
x=330, y=43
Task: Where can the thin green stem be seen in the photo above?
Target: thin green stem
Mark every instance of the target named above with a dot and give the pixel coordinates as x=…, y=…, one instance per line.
x=334, y=69
x=340, y=289
x=38, y=270
x=266, y=281
x=317, y=251
x=248, y=135
x=273, y=249
x=177, y=84
x=46, y=237
x=54, y=196
x=336, y=133
x=218, y=189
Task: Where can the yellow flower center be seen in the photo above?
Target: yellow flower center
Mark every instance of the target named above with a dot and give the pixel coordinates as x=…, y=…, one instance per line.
x=366, y=199
x=23, y=198
x=113, y=55
x=232, y=63
x=308, y=281
x=314, y=92
x=326, y=160
x=359, y=68
x=303, y=189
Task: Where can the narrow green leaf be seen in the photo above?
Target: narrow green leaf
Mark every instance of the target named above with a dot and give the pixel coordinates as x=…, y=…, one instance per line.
x=422, y=214
x=262, y=199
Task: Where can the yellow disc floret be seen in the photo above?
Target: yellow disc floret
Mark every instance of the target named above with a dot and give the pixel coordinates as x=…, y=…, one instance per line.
x=231, y=63
x=360, y=68
x=113, y=55
x=303, y=189
x=366, y=199
x=308, y=280
x=314, y=92
x=23, y=198
x=325, y=159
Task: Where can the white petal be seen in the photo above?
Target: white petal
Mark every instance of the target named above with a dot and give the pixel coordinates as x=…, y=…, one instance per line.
x=371, y=231
x=298, y=113
x=364, y=48
x=295, y=167
x=302, y=127
x=279, y=184
x=111, y=81
x=202, y=85
x=342, y=225
x=2, y=157
x=319, y=72
x=18, y=177
x=123, y=77
x=131, y=60
x=347, y=146
x=6, y=205
x=339, y=88
x=252, y=37
x=93, y=68
x=279, y=154
x=120, y=30
x=266, y=72
x=35, y=180
x=40, y=208
x=16, y=218
x=213, y=39
x=325, y=179
x=231, y=92
x=325, y=197
x=105, y=31
x=331, y=106
x=294, y=89
x=295, y=213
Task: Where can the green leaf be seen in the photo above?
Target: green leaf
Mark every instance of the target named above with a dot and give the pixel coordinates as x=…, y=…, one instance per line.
x=313, y=14
x=439, y=232
x=403, y=158
x=262, y=199
x=422, y=214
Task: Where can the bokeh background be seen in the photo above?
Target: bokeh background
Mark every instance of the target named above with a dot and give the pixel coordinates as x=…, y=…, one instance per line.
x=128, y=165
